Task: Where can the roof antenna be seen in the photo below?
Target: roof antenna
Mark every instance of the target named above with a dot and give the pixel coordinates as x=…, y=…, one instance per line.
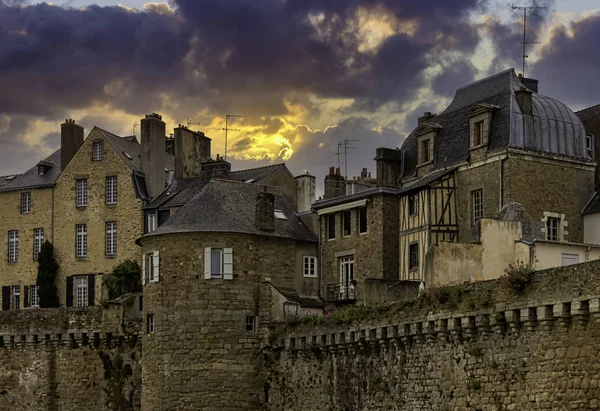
x=338, y=153
x=227, y=117
x=347, y=144
x=190, y=122
x=525, y=42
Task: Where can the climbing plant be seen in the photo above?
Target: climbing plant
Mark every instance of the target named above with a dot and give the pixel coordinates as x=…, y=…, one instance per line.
x=46, y=278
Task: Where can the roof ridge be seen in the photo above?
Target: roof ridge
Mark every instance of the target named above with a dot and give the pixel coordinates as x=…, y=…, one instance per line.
x=588, y=108
x=258, y=168
x=486, y=78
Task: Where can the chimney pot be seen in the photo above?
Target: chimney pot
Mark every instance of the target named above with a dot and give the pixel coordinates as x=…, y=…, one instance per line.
x=338, y=171
x=331, y=171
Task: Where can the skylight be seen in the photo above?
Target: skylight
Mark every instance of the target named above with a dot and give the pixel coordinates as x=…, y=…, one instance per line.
x=9, y=178
x=127, y=155
x=280, y=215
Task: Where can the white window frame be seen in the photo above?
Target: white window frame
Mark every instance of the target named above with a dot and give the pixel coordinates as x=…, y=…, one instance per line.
x=81, y=290
x=38, y=240
x=97, y=151
x=25, y=203
x=34, y=295
x=550, y=227
x=589, y=142
x=149, y=323
x=477, y=205
x=280, y=215
x=16, y=297
x=226, y=264
x=81, y=197
x=310, y=266
x=13, y=246
x=81, y=240
x=152, y=222
x=111, y=238
x=151, y=267
x=111, y=189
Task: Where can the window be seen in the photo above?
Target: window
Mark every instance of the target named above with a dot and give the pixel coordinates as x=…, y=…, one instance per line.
x=413, y=257
x=347, y=270
x=151, y=222
x=38, y=240
x=477, y=133
x=280, y=215
x=111, y=238
x=25, y=203
x=413, y=204
x=97, y=151
x=477, y=202
x=34, y=292
x=111, y=190
x=81, y=241
x=13, y=246
x=81, y=291
x=425, y=153
x=16, y=294
x=250, y=323
x=149, y=323
x=589, y=142
x=552, y=229
x=310, y=266
x=81, y=193
x=218, y=263
x=330, y=226
x=362, y=220
x=347, y=219
x=151, y=267
x=41, y=170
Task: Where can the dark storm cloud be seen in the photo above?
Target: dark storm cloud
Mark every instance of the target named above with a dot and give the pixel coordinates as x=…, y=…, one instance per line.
x=569, y=67
x=455, y=74
x=14, y=151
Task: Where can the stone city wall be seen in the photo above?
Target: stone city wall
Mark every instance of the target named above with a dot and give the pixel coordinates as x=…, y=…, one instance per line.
x=482, y=347
x=70, y=359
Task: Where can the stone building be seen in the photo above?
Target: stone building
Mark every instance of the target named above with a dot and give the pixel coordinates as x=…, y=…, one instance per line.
x=232, y=256
x=590, y=117
x=86, y=198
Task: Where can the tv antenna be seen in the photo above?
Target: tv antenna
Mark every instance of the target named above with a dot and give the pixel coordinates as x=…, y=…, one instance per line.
x=338, y=153
x=190, y=122
x=347, y=144
x=227, y=117
x=525, y=42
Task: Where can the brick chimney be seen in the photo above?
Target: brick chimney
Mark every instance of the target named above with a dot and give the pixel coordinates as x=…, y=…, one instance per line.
x=389, y=166
x=265, y=211
x=426, y=117
x=71, y=138
x=335, y=184
x=153, y=153
x=530, y=83
x=192, y=148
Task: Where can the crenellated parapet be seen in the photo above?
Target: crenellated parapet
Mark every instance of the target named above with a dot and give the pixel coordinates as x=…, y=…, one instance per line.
x=504, y=319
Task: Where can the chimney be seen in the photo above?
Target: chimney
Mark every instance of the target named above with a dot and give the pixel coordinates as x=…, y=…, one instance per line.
x=215, y=168
x=192, y=148
x=523, y=97
x=153, y=153
x=265, y=211
x=530, y=83
x=335, y=184
x=425, y=117
x=71, y=138
x=307, y=191
x=363, y=173
x=390, y=166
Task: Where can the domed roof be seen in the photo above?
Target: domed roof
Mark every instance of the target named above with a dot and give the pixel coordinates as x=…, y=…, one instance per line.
x=552, y=127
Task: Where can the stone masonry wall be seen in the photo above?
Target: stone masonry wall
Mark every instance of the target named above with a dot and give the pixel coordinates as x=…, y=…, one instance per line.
x=127, y=212
x=498, y=350
x=24, y=271
x=200, y=355
x=69, y=360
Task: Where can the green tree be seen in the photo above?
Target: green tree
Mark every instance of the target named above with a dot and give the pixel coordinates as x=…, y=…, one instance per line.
x=125, y=279
x=46, y=279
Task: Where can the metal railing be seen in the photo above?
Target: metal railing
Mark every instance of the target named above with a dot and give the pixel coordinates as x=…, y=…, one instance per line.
x=338, y=292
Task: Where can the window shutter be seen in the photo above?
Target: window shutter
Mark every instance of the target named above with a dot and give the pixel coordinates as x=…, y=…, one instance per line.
x=26, y=298
x=228, y=264
x=144, y=269
x=5, y=298
x=207, y=263
x=91, y=289
x=156, y=263
x=69, y=291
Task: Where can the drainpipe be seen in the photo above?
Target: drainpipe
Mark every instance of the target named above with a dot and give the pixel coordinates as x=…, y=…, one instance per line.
x=320, y=258
x=502, y=181
x=52, y=218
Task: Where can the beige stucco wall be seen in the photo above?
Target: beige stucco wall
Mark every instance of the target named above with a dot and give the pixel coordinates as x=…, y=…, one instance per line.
x=591, y=228
x=549, y=254
x=455, y=263
x=498, y=239
x=24, y=271
x=127, y=213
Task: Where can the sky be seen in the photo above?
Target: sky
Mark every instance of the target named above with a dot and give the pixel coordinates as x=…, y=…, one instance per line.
x=303, y=74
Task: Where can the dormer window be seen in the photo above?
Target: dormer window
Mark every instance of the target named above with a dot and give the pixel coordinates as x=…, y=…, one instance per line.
x=41, y=170
x=480, y=118
x=478, y=133
x=426, y=134
x=589, y=142
x=426, y=150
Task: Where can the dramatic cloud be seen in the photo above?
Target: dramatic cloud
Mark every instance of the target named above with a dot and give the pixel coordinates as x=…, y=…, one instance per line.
x=303, y=73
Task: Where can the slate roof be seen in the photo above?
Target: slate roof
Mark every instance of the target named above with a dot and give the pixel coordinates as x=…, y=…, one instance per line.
x=588, y=112
x=229, y=207
x=594, y=204
x=181, y=191
x=31, y=179
x=555, y=128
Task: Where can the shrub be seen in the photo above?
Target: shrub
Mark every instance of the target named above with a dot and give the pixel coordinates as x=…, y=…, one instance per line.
x=125, y=279
x=46, y=278
x=517, y=277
